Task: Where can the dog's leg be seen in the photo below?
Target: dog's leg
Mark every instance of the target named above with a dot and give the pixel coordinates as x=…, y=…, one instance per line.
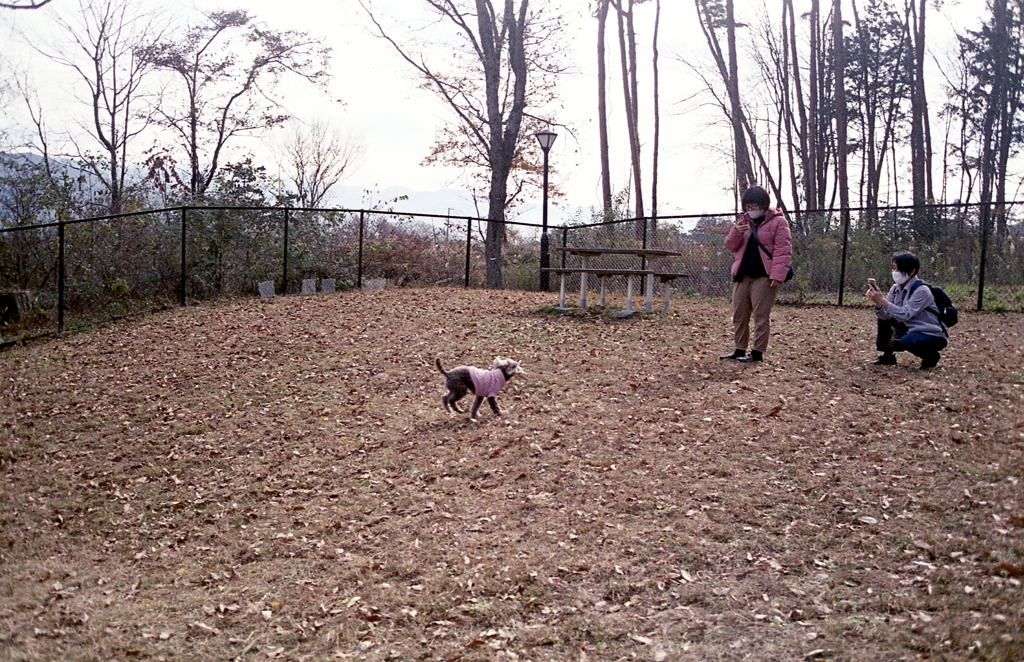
x=453, y=399
x=444, y=401
x=493, y=402
x=476, y=407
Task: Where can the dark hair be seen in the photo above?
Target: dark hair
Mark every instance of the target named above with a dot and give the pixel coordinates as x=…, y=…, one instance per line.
x=906, y=262
x=755, y=195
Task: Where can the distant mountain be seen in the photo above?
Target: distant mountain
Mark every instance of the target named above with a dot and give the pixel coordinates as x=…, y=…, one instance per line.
x=452, y=202
x=402, y=199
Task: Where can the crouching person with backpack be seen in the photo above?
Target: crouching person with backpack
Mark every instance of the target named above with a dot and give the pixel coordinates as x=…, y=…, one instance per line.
x=909, y=319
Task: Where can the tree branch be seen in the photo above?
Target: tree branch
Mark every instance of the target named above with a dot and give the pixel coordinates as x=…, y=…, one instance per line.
x=31, y=5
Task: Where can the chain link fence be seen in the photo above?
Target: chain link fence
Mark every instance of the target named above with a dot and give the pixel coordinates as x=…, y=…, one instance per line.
x=832, y=264
x=73, y=274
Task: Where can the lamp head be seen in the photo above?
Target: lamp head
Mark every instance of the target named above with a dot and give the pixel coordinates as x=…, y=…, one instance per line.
x=546, y=138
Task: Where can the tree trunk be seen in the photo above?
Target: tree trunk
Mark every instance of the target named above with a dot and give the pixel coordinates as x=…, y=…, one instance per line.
x=602, y=112
x=657, y=123
x=842, y=179
x=794, y=117
x=503, y=129
x=627, y=51
x=727, y=69
x=842, y=182
x=744, y=170
x=1009, y=108
x=919, y=149
x=811, y=174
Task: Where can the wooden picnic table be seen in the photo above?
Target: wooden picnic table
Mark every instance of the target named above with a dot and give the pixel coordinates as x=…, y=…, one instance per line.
x=653, y=255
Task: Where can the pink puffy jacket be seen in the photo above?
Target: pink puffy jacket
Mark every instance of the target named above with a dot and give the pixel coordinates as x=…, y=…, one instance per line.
x=773, y=233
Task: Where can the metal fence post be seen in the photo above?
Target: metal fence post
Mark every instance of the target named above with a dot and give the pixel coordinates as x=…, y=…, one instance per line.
x=469, y=240
x=359, y=267
x=284, y=285
x=184, y=216
x=643, y=260
x=60, y=277
x=842, y=262
x=565, y=241
x=985, y=212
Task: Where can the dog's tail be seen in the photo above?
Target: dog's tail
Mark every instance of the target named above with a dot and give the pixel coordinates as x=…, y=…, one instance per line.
x=437, y=362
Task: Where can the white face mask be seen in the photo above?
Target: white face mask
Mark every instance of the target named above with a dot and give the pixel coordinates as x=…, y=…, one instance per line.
x=756, y=214
x=899, y=277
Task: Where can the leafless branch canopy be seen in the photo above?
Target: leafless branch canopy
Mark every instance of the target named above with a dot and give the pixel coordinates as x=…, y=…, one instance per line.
x=31, y=4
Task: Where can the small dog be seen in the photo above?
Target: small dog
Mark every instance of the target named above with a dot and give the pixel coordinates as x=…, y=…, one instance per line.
x=483, y=384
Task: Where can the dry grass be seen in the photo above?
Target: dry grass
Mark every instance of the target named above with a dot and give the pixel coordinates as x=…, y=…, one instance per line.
x=278, y=481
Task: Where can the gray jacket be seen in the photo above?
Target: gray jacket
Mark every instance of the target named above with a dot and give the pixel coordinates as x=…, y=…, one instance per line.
x=917, y=311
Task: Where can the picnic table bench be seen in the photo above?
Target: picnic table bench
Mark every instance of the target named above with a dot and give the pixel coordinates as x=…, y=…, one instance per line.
x=603, y=275
x=654, y=256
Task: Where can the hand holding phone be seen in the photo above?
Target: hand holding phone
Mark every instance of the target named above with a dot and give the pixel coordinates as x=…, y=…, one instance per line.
x=873, y=284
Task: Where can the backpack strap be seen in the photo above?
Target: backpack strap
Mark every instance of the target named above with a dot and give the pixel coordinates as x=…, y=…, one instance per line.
x=753, y=235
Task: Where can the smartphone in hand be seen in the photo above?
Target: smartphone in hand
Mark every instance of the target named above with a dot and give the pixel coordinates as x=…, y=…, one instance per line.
x=873, y=284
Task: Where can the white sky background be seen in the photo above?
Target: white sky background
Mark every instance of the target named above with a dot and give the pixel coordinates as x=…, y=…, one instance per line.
x=396, y=121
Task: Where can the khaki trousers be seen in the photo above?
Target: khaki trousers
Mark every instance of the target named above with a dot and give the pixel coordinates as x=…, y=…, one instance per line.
x=752, y=297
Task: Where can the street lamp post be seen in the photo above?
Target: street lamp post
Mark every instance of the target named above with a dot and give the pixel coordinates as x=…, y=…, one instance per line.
x=546, y=138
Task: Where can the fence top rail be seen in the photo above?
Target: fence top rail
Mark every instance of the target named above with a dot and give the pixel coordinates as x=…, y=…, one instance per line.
x=342, y=210
x=575, y=226
x=109, y=217
x=678, y=217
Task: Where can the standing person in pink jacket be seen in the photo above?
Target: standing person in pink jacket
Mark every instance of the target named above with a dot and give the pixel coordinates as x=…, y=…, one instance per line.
x=764, y=252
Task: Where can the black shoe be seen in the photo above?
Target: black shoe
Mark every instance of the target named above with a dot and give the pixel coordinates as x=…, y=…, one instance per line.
x=754, y=356
x=885, y=359
x=738, y=354
x=930, y=362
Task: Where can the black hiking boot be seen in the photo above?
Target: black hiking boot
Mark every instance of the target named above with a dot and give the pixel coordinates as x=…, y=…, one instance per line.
x=885, y=359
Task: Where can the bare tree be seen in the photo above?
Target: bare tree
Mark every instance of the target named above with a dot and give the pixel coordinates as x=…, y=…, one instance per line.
x=105, y=45
x=503, y=59
x=879, y=83
x=631, y=97
x=991, y=98
x=920, y=131
x=815, y=194
x=842, y=179
x=228, y=68
x=715, y=16
x=316, y=159
x=796, y=107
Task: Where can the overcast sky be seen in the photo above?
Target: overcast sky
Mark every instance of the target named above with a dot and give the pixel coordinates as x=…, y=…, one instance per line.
x=382, y=107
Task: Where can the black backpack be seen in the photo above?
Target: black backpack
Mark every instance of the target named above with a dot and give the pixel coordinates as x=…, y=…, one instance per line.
x=944, y=308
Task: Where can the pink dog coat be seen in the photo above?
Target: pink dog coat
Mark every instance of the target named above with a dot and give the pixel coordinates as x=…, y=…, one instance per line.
x=487, y=383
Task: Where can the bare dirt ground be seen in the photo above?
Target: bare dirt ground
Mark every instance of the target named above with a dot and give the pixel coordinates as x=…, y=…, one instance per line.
x=250, y=481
